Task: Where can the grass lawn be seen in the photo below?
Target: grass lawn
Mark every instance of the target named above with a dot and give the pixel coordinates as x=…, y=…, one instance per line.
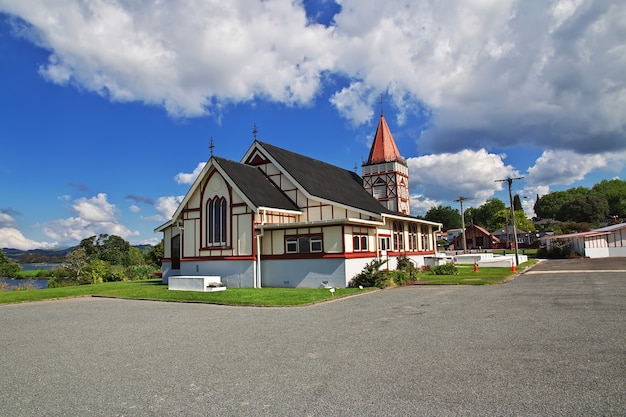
x=467, y=276
x=156, y=290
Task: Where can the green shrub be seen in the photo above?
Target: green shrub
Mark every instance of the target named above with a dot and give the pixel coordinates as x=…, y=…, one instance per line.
x=369, y=276
x=139, y=272
x=61, y=281
x=447, y=269
x=560, y=250
x=8, y=267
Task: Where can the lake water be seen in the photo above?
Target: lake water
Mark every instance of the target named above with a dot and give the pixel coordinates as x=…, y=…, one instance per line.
x=35, y=283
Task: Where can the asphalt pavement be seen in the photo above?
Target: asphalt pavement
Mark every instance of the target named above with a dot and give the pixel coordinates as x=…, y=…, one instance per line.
x=552, y=342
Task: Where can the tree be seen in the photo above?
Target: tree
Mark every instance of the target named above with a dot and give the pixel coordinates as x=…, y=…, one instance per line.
x=8, y=267
x=112, y=249
x=615, y=193
x=76, y=261
x=548, y=206
x=448, y=216
x=485, y=215
x=155, y=255
x=589, y=209
x=136, y=257
x=517, y=203
x=115, y=250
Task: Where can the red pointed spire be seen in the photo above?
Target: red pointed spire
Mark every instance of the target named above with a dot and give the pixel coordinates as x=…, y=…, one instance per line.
x=384, y=148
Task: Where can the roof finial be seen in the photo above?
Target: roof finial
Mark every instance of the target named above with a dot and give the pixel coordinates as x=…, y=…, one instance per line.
x=211, y=145
x=382, y=97
x=254, y=131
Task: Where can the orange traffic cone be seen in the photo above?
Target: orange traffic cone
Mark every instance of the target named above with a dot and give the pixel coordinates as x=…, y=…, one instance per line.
x=475, y=266
x=513, y=266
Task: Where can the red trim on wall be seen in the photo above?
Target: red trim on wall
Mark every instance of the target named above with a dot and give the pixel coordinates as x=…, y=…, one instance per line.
x=219, y=258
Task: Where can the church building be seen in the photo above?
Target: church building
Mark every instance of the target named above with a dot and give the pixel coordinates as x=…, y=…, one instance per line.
x=281, y=219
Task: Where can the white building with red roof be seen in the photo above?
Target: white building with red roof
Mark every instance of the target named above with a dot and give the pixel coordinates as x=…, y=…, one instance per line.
x=281, y=219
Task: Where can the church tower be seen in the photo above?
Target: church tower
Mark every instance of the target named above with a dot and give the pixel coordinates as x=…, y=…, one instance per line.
x=386, y=174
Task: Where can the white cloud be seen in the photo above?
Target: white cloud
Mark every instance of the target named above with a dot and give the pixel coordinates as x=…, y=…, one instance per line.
x=6, y=220
x=93, y=216
x=13, y=238
x=488, y=73
x=166, y=206
x=96, y=209
x=134, y=208
x=467, y=173
x=420, y=204
x=184, y=178
x=564, y=167
x=181, y=55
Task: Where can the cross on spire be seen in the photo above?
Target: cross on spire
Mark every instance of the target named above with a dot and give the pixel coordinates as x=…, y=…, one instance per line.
x=211, y=145
x=254, y=131
x=381, y=98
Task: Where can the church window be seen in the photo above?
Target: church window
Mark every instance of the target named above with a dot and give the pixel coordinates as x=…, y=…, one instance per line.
x=413, y=237
x=380, y=189
x=292, y=245
x=425, y=238
x=398, y=237
x=383, y=243
x=359, y=242
x=316, y=244
x=304, y=244
x=216, y=221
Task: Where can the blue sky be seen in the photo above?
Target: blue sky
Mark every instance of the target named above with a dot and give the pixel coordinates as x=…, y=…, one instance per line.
x=107, y=108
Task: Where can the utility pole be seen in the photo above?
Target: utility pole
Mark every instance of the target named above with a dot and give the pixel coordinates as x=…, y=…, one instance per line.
x=510, y=180
x=461, y=199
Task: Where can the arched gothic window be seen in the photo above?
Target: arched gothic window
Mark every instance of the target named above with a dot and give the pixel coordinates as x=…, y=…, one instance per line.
x=216, y=212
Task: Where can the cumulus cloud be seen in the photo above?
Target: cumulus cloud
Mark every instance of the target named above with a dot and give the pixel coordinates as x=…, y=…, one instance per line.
x=421, y=204
x=483, y=74
x=185, y=56
x=487, y=73
x=564, y=167
x=447, y=176
x=13, y=238
x=94, y=216
x=185, y=178
x=6, y=220
x=166, y=206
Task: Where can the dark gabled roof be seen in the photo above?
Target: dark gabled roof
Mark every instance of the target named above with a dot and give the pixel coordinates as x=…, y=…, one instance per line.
x=326, y=181
x=256, y=186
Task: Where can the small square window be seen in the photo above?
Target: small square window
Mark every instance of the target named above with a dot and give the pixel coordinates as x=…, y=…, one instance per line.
x=292, y=245
x=316, y=244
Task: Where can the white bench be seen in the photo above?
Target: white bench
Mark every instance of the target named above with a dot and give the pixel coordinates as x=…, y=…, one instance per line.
x=201, y=283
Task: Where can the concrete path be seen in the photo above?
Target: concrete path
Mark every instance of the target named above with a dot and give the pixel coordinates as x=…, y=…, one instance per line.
x=542, y=345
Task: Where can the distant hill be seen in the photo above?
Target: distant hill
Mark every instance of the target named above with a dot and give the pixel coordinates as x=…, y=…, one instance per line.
x=49, y=255
x=46, y=255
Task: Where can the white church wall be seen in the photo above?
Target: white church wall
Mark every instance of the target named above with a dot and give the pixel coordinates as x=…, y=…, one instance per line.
x=302, y=273
x=232, y=273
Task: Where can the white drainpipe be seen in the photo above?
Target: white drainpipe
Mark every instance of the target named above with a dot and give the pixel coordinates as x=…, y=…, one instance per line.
x=257, y=277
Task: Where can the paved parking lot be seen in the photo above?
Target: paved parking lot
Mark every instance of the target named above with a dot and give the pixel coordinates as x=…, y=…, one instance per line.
x=547, y=343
